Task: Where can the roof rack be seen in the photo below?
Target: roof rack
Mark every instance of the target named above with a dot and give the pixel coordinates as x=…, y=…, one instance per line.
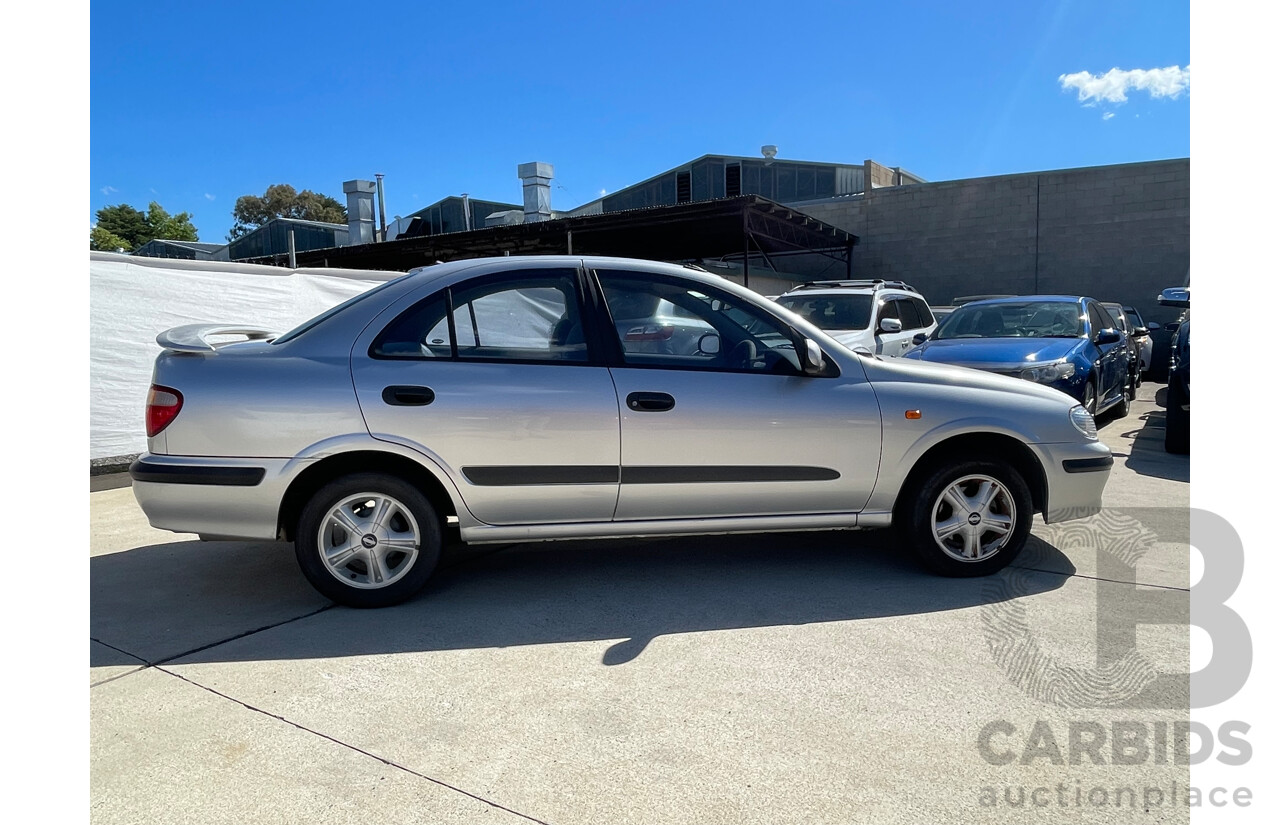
x=873, y=283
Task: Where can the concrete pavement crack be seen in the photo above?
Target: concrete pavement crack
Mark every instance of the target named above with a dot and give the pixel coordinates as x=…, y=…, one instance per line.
x=145, y=664
x=1100, y=578
x=349, y=746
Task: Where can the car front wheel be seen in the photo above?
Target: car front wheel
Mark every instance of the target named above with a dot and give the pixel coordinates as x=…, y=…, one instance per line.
x=968, y=518
x=368, y=540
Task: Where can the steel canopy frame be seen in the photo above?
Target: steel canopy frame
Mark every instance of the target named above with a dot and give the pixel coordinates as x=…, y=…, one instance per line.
x=705, y=230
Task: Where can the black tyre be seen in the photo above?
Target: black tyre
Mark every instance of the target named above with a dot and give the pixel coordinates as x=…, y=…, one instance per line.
x=1126, y=398
x=968, y=517
x=1177, y=421
x=368, y=540
x=1090, y=400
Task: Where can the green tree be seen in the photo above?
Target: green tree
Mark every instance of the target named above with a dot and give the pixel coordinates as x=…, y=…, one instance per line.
x=283, y=201
x=123, y=227
x=104, y=240
x=170, y=227
x=124, y=223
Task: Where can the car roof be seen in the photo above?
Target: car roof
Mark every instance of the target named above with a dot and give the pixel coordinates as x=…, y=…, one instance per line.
x=1022, y=299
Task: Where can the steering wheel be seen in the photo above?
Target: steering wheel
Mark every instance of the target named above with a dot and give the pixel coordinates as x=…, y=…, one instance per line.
x=743, y=354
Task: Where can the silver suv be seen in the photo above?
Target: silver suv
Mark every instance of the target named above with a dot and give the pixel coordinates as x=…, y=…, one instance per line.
x=533, y=398
x=872, y=317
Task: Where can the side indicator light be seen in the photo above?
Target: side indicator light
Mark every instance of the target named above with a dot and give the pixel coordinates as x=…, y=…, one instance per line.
x=913, y=414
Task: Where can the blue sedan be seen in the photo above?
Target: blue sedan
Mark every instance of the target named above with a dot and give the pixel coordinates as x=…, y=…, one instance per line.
x=1068, y=343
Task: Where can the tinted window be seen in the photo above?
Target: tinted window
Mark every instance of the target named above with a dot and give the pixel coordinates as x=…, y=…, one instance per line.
x=1099, y=319
x=908, y=313
x=922, y=309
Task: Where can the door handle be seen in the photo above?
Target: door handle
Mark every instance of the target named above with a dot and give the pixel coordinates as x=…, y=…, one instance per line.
x=650, y=401
x=408, y=396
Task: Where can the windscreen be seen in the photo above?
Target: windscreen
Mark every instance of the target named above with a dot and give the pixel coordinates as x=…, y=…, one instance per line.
x=831, y=311
x=1029, y=319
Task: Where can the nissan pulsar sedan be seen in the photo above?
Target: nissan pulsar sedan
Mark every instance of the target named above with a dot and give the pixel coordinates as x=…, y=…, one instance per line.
x=527, y=399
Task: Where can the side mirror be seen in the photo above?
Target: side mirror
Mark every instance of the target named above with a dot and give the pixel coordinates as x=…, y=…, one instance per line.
x=709, y=344
x=1141, y=332
x=813, y=360
x=1175, y=296
x=919, y=338
x=1173, y=326
x=890, y=325
x=1107, y=336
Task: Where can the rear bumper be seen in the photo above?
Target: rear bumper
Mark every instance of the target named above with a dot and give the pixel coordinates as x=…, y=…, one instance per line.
x=1076, y=475
x=225, y=497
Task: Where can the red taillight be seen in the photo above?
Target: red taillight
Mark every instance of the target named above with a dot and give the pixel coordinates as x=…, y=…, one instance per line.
x=163, y=405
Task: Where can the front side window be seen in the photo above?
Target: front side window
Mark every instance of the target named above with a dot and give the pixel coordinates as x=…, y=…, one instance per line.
x=527, y=316
x=1099, y=319
x=669, y=323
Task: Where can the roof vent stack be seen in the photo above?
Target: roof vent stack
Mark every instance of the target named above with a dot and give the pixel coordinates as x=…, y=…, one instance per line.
x=536, y=178
x=360, y=222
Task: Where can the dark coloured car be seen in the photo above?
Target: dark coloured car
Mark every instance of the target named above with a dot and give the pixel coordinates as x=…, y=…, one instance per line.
x=1177, y=422
x=1067, y=342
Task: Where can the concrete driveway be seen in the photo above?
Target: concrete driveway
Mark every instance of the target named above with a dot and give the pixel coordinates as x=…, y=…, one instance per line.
x=809, y=677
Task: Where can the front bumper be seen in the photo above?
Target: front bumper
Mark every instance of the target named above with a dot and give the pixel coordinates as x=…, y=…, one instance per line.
x=1076, y=474
x=213, y=496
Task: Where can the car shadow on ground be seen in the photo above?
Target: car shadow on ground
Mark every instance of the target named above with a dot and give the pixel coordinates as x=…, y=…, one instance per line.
x=183, y=600
x=1146, y=454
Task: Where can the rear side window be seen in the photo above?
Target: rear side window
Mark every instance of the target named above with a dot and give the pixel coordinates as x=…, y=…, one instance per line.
x=522, y=316
x=907, y=312
x=922, y=309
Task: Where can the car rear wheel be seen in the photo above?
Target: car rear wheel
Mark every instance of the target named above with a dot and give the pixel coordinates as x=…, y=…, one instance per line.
x=968, y=518
x=368, y=540
x=1129, y=393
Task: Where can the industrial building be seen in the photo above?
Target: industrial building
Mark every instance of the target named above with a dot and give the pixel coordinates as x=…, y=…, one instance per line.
x=1118, y=232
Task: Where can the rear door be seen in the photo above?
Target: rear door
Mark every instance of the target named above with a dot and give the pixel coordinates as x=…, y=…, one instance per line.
x=502, y=391
x=893, y=344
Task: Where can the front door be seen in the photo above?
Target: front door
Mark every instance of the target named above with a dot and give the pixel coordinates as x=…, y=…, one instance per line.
x=718, y=418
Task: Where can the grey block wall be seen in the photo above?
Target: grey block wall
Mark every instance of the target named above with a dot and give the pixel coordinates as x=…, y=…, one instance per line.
x=1117, y=233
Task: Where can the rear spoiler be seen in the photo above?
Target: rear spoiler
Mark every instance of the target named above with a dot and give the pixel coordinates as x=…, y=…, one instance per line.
x=195, y=337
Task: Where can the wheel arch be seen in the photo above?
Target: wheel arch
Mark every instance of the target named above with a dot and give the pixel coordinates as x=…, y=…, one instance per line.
x=320, y=473
x=978, y=446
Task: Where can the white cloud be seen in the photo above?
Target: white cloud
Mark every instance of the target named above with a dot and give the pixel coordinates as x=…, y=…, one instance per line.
x=1108, y=115
x=604, y=192
x=108, y=190
x=1114, y=86
x=209, y=197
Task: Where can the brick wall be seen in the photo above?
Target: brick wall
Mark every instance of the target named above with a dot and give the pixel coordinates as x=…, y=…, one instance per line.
x=1117, y=233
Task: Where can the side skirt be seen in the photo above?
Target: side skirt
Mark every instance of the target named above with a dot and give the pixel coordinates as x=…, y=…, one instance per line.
x=486, y=533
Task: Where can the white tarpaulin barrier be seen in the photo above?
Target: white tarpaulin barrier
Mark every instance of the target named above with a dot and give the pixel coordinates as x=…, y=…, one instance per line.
x=131, y=300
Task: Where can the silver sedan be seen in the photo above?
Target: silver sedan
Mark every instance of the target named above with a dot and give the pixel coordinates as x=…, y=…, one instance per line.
x=567, y=397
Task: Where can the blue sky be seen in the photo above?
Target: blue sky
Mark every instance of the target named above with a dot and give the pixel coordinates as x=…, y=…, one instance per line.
x=195, y=105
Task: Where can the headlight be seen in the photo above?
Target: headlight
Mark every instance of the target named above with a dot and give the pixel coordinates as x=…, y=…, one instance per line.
x=1083, y=421
x=1048, y=373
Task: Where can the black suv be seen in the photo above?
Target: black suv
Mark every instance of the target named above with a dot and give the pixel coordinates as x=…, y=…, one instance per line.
x=1177, y=403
